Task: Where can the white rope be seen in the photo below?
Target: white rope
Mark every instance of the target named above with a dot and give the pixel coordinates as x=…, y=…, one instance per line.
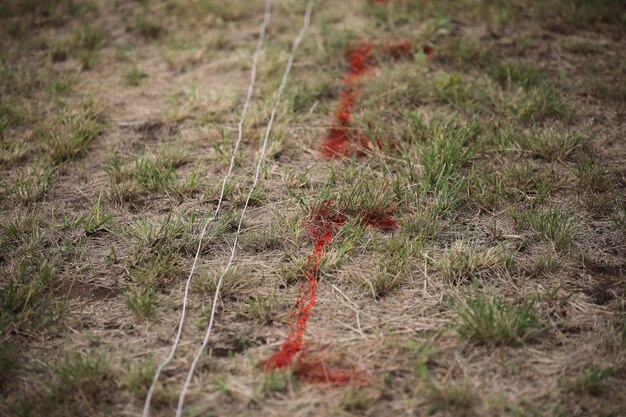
x=255, y=56
x=279, y=92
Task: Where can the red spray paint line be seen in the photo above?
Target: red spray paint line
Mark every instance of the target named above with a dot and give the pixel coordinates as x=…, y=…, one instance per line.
x=322, y=228
x=342, y=140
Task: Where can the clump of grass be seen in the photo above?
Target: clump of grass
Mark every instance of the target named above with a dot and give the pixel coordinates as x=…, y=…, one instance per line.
x=425, y=223
x=464, y=262
x=369, y=200
x=26, y=295
x=134, y=76
x=590, y=380
x=148, y=28
x=526, y=180
x=592, y=176
x=393, y=268
x=81, y=385
x=95, y=220
x=78, y=129
x=491, y=321
x=141, y=302
x=27, y=186
x=308, y=95
x=232, y=283
x=541, y=104
x=512, y=73
x=356, y=400
x=556, y=226
x=155, y=271
x=87, y=41
x=278, y=381
x=456, y=399
x=60, y=52
x=261, y=308
x=154, y=172
x=23, y=234
x=264, y=239
x=552, y=144
x=445, y=148
x=139, y=376
x=9, y=364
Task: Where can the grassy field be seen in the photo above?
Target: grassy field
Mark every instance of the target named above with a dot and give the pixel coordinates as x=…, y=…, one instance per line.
x=501, y=292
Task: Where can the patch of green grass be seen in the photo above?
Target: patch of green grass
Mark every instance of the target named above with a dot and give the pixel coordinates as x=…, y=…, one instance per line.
x=232, y=283
x=512, y=73
x=369, y=199
x=9, y=364
x=139, y=376
x=491, y=321
x=446, y=148
x=23, y=234
x=593, y=177
x=590, y=380
x=356, y=400
x=424, y=351
x=28, y=185
x=464, y=262
x=393, y=267
x=308, y=95
x=556, y=226
x=261, y=308
x=424, y=224
x=95, y=220
x=173, y=235
x=542, y=104
x=61, y=51
x=527, y=181
x=78, y=129
x=81, y=385
x=141, y=302
x=462, y=52
x=263, y=239
x=148, y=28
x=87, y=41
x=156, y=270
x=459, y=400
x=278, y=381
x=134, y=76
x=551, y=144
x=154, y=172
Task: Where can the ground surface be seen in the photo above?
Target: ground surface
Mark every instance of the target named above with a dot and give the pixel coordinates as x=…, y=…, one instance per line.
x=500, y=154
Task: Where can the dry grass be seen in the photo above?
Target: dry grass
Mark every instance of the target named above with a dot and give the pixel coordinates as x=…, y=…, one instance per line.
x=500, y=292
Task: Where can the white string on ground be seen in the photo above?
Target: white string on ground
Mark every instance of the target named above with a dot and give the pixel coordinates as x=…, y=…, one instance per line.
x=279, y=92
x=255, y=58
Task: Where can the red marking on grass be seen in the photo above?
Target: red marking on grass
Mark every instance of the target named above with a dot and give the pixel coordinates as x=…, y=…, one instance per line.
x=324, y=223
x=320, y=368
x=323, y=226
x=343, y=140
x=398, y=50
x=382, y=221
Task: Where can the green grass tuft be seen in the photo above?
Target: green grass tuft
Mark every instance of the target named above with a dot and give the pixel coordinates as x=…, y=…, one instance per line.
x=491, y=321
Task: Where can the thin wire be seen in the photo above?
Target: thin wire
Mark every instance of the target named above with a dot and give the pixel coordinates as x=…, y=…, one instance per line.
x=255, y=56
x=294, y=47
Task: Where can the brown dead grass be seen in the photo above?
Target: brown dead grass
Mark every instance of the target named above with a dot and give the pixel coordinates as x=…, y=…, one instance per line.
x=405, y=343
